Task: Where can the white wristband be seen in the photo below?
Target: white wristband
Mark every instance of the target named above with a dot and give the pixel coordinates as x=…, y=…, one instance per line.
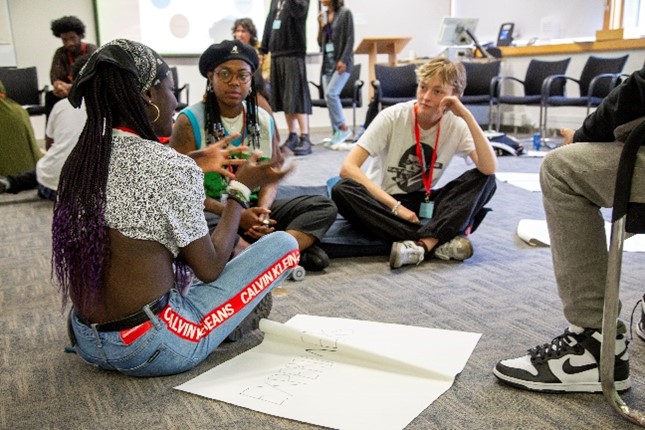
x=238, y=186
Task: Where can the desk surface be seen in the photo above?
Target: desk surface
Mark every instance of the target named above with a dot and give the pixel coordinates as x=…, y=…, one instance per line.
x=383, y=45
x=575, y=47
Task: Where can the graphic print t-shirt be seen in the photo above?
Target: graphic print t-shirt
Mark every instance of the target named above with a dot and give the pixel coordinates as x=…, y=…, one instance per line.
x=391, y=143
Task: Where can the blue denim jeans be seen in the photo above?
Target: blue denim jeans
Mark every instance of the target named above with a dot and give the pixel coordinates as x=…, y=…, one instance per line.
x=189, y=328
x=332, y=87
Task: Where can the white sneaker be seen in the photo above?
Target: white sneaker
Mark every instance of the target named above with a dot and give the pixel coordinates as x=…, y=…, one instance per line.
x=406, y=252
x=343, y=146
x=459, y=248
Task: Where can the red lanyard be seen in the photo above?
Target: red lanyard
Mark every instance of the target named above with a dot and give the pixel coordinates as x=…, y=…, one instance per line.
x=126, y=129
x=426, y=173
x=71, y=59
x=162, y=139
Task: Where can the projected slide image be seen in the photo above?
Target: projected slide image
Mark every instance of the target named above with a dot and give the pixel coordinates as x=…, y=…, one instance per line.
x=175, y=26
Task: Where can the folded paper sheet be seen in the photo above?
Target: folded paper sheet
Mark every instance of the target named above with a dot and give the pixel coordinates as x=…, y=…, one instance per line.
x=528, y=181
x=534, y=154
x=535, y=233
x=340, y=373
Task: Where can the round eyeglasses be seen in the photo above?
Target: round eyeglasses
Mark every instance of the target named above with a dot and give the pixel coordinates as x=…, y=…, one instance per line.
x=243, y=76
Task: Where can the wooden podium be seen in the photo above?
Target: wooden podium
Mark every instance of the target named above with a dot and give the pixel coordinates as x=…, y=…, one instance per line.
x=373, y=46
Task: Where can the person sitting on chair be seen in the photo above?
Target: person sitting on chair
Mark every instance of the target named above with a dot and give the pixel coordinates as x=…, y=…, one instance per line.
x=229, y=107
x=63, y=129
x=19, y=150
x=411, y=145
x=577, y=180
x=71, y=31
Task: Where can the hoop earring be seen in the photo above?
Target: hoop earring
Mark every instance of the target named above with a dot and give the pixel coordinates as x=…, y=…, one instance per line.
x=158, y=112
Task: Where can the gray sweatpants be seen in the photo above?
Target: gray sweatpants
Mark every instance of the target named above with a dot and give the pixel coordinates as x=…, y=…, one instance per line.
x=577, y=180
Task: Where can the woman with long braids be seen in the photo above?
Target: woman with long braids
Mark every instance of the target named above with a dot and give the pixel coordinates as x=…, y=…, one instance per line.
x=229, y=106
x=152, y=291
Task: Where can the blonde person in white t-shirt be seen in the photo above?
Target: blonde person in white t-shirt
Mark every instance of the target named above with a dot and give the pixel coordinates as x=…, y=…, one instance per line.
x=394, y=197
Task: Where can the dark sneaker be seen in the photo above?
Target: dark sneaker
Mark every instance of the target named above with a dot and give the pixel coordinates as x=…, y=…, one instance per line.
x=406, y=252
x=252, y=321
x=459, y=248
x=640, y=328
x=291, y=142
x=303, y=147
x=314, y=259
x=570, y=363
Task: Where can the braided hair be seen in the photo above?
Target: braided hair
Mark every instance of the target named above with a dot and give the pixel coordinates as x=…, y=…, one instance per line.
x=214, y=128
x=80, y=242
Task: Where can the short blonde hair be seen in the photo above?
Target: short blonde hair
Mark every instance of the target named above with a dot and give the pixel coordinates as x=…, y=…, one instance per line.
x=449, y=72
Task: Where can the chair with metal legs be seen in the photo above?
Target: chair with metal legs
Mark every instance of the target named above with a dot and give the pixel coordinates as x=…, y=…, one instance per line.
x=599, y=76
x=536, y=73
x=350, y=96
x=627, y=217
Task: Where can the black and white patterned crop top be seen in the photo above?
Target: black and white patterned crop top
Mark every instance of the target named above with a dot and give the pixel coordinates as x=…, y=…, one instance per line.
x=154, y=193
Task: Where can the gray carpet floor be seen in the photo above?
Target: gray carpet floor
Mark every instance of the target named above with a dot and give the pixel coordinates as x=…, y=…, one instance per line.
x=506, y=292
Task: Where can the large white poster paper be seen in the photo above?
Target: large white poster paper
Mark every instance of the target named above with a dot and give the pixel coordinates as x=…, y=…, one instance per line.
x=340, y=373
x=528, y=181
x=535, y=233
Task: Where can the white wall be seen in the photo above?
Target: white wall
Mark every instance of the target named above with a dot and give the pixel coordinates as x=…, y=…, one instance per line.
x=570, y=18
x=33, y=42
x=7, y=53
x=420, y=19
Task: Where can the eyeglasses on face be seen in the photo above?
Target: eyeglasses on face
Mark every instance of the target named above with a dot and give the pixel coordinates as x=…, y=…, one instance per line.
x=243, y=76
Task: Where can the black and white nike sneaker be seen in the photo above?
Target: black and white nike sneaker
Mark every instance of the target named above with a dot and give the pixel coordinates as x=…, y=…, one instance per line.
x=570, y=363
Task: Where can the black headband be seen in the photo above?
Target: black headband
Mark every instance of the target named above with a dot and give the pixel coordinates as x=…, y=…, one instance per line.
x=140, y=60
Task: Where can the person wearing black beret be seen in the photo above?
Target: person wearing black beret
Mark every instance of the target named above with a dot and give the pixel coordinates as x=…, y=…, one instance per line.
x=229, y=109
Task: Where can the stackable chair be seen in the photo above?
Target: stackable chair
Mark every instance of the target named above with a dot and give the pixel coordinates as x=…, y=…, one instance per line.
x=21, y=85
x=626, y=217
x=599, y=76
x=178, y=90
x=350, y=97
x=394, y=84
x=479, y=78
x=536, y=73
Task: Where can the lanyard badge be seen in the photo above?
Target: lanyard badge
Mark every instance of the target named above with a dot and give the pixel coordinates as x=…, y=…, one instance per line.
x=427, y=207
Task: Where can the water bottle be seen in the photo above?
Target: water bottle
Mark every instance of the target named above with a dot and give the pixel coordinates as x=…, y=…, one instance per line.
x=536, y=141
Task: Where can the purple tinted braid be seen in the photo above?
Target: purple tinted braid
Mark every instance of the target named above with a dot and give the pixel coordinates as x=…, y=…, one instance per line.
x=87, y=250
x=183, y=276
x=80, y=243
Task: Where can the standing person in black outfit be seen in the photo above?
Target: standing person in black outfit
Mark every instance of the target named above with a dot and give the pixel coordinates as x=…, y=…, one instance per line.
x=71, y=31
x=284, y=37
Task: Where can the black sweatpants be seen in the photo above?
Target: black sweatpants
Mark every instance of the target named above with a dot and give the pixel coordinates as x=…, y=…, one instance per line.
x=312, y=215
x=458, y=208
